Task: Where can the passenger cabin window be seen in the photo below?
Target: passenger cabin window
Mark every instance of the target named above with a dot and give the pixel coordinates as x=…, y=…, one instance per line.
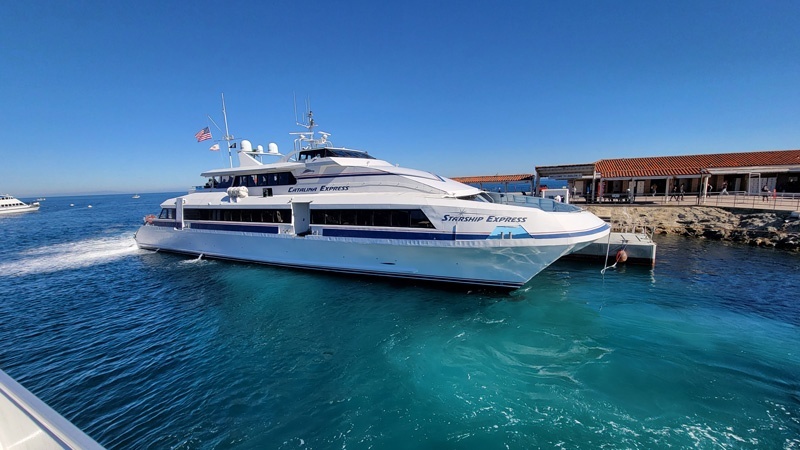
x=238, y=215
x=224, y=182
x=254, y=180
x=265, y=179
x=167, y=213
x=399, y=218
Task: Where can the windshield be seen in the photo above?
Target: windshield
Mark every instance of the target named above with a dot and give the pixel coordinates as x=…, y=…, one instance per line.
x=482, y=197
x=307, y=155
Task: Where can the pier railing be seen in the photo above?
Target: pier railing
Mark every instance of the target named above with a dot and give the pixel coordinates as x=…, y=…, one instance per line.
x=781, y=201
x=774, y=201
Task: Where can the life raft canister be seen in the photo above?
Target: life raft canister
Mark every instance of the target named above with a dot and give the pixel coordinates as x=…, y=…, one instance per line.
x=622, y=256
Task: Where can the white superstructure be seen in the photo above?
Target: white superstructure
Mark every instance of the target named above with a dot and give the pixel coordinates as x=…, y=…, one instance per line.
x=9, y=204
x=336, y=209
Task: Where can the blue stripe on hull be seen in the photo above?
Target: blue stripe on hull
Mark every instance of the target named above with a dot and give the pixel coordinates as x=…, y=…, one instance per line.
x=438, y=236
x=376, y=234
x=266, y=229
x=385, y=234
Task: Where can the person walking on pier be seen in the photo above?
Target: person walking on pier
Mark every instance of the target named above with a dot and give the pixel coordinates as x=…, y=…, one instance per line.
x=724, y=188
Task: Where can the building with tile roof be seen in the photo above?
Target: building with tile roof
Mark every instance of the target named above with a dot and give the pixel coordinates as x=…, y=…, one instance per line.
x=747, y=172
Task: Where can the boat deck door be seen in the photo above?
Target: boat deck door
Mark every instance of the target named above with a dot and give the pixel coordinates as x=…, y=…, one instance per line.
x=301, y=217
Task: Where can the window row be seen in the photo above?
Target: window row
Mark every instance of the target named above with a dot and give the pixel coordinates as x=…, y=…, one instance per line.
x=261, y=179
x=240, y=215
x=401, y=218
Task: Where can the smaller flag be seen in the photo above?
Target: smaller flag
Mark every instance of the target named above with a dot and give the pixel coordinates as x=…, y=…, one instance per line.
x=214, y=148
x=203, y=135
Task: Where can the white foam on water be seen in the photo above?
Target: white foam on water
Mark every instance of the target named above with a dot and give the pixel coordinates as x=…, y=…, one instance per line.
x=70, y=255
x=198, y=260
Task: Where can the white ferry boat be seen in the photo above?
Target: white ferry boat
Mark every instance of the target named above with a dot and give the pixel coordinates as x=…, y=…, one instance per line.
x=9, y=205
x=336, y=209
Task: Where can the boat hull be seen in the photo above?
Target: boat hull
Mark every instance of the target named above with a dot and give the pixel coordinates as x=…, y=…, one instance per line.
x=21, y=209
x=497, y=263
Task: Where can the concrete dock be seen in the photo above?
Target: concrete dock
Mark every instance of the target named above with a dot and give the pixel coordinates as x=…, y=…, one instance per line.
x=624, y=248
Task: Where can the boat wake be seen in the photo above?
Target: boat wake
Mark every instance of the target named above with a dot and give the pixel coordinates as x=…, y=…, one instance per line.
x=70, y=255
x=198, y=260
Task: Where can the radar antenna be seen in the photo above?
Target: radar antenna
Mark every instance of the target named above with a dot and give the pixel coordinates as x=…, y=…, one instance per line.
x=308, y=139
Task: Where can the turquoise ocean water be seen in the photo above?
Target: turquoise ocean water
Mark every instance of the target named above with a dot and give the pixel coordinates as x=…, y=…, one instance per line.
x=151, y=350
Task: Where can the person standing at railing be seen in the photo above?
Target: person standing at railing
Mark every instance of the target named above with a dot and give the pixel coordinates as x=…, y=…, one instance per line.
x=765, y=196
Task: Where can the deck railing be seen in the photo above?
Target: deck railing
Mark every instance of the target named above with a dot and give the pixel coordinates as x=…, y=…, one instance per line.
x=545, y=204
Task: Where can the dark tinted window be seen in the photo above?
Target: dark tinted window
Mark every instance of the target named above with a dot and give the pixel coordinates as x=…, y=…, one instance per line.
x=400, y=218
x=308, y=155
x=239, y=215
x=167, y=213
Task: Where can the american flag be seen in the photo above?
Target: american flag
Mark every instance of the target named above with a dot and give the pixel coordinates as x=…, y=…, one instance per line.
x=203, y=135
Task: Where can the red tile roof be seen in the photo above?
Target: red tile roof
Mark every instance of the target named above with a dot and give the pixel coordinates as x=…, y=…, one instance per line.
x=494, y=178
x=693, y=164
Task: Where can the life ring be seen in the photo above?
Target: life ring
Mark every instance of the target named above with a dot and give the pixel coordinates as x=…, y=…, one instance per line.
x=150, y=218
x=622, y=256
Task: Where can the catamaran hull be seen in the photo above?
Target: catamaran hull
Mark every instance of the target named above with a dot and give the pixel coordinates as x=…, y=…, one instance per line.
x=497, y=263
x=22, y=209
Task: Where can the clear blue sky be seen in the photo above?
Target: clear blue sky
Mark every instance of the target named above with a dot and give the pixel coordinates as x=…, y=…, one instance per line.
x=102, y=96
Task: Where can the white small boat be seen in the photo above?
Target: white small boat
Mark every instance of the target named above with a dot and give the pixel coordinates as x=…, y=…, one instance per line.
x=136, y=196
x=28, y=422
x=10, y=205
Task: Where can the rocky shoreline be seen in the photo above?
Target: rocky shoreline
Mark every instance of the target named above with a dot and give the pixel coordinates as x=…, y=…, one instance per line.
x=777, y=229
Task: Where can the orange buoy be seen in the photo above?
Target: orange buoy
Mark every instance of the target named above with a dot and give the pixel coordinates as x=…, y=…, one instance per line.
x=622, y=256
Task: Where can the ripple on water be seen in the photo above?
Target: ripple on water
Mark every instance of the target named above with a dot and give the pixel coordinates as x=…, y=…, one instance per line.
x=150, y=350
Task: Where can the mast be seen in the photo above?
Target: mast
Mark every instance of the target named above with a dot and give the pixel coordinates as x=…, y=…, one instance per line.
x=227, y=136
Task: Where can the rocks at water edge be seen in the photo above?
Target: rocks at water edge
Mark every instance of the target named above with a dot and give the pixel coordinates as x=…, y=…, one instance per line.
x=778, y=229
